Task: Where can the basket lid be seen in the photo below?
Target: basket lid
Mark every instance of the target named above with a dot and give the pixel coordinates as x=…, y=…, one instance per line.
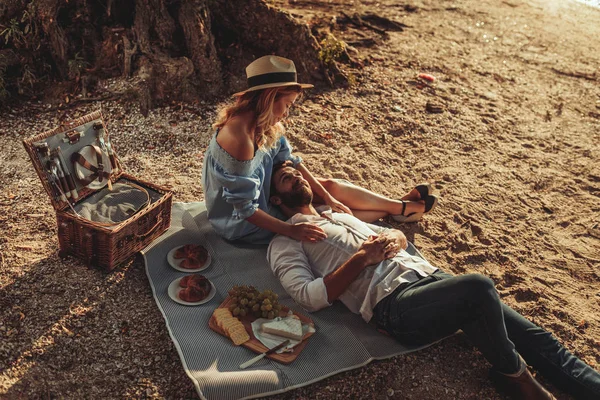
x=74, y=159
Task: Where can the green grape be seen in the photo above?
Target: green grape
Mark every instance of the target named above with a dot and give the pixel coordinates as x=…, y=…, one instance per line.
x=264, y=314
x=251, y=303
x=263, y=308
x=232, y=307
x=256, y=307
x=270, y=315
x=243, y=312
x=244, y=301
x=268, y=307
x=266, y=301
x=236, y=311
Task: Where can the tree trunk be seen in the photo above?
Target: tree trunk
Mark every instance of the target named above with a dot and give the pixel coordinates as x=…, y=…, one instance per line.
x=166, y=49
x=194, y=18
x=47, y=14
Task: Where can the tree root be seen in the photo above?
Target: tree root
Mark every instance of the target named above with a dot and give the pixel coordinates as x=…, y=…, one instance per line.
x=370, y=21
x=582, y=75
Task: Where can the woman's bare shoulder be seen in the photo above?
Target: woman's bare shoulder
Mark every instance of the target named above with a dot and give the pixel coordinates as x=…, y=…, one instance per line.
x=234, y=139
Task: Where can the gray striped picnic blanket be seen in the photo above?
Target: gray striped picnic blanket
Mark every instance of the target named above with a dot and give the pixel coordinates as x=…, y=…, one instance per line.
x=343, y=341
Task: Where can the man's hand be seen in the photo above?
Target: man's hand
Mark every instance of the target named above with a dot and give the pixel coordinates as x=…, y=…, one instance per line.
x=397, y=236
x=378, y=248
x=306, y=232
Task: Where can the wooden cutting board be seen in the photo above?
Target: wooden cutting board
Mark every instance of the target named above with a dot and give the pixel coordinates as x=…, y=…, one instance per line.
x=254, y=344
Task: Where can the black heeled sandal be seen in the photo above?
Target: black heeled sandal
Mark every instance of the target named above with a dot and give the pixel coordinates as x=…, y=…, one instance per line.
x=412, y=217
x=430, y=203
x=424, y=190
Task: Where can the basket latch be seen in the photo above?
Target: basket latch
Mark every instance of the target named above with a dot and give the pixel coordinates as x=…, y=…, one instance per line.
x=72, y=136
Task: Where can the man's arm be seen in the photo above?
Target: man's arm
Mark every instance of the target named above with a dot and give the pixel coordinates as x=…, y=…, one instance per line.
x=290, y=265
x=373, y=251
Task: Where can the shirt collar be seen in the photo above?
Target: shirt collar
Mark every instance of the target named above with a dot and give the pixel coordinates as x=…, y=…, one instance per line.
x=324, y=209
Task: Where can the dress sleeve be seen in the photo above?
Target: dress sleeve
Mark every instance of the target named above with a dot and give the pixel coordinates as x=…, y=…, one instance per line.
x=240, y=191
x=290, y=265
x=285, y=153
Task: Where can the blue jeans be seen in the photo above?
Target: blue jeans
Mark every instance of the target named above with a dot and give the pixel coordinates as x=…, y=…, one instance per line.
x=440, y=304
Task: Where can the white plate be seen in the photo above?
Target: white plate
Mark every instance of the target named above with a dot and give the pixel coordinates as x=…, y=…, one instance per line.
x=90, y=155
x=174, y=289
x=174, y=262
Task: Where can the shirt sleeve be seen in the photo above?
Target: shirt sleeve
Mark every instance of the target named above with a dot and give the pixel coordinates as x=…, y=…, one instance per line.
x=285, y=153
x=290, y=265
x=240, y=191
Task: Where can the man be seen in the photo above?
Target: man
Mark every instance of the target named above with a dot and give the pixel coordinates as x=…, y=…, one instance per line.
x=367, y=268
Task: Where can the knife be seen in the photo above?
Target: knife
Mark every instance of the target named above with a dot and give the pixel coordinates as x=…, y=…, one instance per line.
x=261, y=356
x=68, y=176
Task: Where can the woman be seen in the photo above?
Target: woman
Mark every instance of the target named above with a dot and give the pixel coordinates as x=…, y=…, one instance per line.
x=248, y=141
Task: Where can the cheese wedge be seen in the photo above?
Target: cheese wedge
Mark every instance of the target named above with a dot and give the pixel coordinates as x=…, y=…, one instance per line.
x=288, y=327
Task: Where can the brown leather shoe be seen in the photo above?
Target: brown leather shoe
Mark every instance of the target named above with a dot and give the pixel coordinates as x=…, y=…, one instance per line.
x=521, y=387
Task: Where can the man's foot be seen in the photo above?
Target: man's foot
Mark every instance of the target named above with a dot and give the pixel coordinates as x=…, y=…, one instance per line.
x=522, y=386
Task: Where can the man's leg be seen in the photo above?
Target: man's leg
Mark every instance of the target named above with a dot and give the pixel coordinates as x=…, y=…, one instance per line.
x=439, y=305
x=369, y=206
x=542, y=351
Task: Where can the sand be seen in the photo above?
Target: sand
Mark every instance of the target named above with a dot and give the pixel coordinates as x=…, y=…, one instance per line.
x=514, y=155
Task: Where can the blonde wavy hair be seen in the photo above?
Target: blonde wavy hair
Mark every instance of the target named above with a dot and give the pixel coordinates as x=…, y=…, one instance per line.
x=260, y=102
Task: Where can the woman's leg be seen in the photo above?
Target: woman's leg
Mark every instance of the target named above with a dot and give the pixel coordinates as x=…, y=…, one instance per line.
x=437, y=306
x=542, y=351
x=366, y=205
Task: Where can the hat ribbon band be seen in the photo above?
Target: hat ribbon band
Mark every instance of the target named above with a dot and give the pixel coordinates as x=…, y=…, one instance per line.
x=272, y=77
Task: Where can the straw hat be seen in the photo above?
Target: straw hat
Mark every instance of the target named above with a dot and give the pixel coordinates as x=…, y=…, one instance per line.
x=269, y=72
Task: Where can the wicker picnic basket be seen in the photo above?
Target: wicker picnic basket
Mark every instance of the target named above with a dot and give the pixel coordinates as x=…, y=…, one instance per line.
x=95, y=243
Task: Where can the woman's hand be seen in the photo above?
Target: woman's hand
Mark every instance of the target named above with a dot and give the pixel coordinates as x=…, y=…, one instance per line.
x=397, y=236
x=378, y=248
x=337, y=206
x=306, y=232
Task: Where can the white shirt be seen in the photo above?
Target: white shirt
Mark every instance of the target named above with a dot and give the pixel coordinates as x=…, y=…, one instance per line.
x=301, y=266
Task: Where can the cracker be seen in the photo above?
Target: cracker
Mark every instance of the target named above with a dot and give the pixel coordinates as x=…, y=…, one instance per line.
x=228, y=322
x=221, y=312
x=233, y=328
x=238, y=337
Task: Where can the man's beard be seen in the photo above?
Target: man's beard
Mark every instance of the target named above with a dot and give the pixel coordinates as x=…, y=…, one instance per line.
x=297, y=197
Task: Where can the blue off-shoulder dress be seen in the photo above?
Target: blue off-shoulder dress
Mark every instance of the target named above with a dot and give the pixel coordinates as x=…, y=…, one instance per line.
x=234, y=189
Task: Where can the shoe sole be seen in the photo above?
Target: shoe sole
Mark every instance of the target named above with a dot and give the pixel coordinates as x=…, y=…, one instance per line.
x=411, y=218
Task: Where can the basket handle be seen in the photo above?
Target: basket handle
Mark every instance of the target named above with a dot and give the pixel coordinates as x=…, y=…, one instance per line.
x=151, y=230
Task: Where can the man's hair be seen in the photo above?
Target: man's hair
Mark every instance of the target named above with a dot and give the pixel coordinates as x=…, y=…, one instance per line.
x=276, y=168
